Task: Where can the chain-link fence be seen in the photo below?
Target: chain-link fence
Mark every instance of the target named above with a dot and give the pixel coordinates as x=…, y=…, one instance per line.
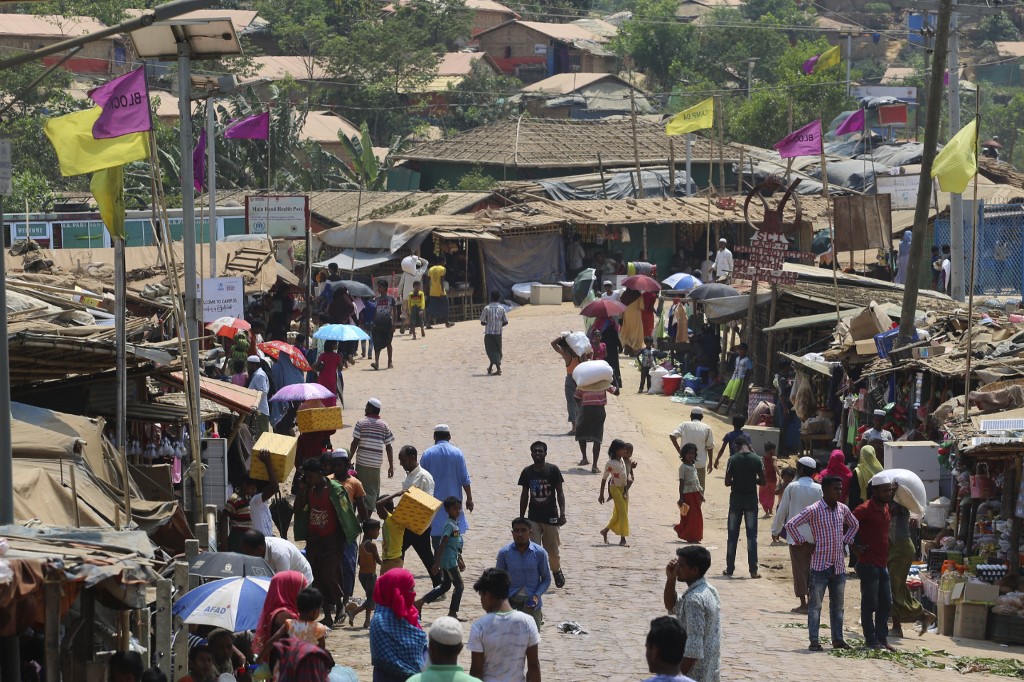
x=999, y=270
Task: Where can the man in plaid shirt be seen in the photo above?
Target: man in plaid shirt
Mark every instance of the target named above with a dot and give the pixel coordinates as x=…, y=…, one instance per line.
x=493, y=319
x=834, y=527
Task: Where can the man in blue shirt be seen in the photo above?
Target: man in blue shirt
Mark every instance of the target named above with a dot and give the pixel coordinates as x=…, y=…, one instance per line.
x=527, y=564
x=447, y=465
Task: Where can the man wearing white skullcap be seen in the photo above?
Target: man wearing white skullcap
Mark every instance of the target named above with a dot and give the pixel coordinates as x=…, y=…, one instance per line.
x=444, y=643
x=259, y=381
x=876, y=432
x=371, y=437
x=798, y=495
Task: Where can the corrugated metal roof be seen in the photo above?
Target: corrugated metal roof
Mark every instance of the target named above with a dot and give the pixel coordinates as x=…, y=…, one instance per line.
x=49, y=26
x=461, y=63
x=488, y=6
x=564, y=83
x=563, y=32
x=275, y=68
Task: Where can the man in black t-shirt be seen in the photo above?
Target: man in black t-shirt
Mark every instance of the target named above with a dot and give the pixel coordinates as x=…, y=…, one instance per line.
x=542, y=494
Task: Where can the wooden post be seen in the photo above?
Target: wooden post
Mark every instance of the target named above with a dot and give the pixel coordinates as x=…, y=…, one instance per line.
x=160, y=654
x=671, y=168
x=51, y=629
x=483, y=270
x=181, y=587
x=203, y=535
x=1015, y=525
x=144, y=634
x=721, y=143
x=211, y=522
x=600, y=169
x=636, y=147
x=74, y=494
x=748, y=331
x=770, y=349
x=124, y=628
x=191, y=552
x=739, y=176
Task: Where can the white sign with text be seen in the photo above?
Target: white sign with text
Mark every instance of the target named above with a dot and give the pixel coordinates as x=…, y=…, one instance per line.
x=223, y=297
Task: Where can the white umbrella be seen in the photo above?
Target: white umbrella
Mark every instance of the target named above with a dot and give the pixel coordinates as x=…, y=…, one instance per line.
x=233, y=603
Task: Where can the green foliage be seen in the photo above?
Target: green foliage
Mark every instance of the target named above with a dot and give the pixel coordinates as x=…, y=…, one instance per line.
x=996, y=27
x=366, y=170
x=477, y=181
x=29, y=187
x=557, y=10
x=784, y=12
x=480, y=98
x=655, y=42
x=877, y=8
x=108, y=11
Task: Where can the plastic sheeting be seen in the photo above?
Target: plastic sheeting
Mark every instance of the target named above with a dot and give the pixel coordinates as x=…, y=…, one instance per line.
x=531, y=258
x=621, y=186
x=858, y=175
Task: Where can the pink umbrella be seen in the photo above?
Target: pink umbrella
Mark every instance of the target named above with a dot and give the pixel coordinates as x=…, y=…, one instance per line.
x=275, y=348
x=228, y=326
x=294, y=392
x=642, y=283
x=603, y=307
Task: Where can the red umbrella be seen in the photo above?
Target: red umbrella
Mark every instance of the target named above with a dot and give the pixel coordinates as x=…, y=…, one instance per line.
x=641, y=283
x=603, y=307
x=275, y=348
x=228, y=326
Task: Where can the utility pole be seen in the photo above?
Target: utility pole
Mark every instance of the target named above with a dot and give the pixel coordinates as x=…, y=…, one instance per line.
x=956, y=201
x=849, y=61
x=924, y=190
x=750, y=75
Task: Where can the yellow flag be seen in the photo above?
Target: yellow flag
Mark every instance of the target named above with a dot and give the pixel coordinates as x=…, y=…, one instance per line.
x=828, y=59
x=107, y=187
x=957, y=163
x=695, y=118
x=78, y=152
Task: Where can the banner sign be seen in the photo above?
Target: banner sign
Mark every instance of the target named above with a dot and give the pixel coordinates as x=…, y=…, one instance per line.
x=223, y=297
x=283, y=217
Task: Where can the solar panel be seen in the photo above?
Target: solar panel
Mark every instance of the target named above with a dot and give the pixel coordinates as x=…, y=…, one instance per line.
x=1002, y=424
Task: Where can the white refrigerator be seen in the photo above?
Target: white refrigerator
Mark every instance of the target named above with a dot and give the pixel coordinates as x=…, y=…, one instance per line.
x=921, y=457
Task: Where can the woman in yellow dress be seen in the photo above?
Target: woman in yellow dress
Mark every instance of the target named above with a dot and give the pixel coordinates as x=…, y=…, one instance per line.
x=615, y=476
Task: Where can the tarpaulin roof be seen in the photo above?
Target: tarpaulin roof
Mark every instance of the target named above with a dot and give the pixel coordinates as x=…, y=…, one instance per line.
x=393, y=234
x=349, y=258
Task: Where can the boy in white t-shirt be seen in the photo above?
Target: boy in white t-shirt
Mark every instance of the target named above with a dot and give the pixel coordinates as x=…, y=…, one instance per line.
x=504, y=643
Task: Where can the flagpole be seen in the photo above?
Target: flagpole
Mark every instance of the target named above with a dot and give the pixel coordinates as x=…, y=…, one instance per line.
x=689, y=168
x=211, y=181
x=831, y=227
x=121, y=429
x=974, y=249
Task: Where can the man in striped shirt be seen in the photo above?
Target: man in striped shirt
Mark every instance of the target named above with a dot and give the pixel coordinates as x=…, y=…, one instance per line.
x=371, y=437
x=493, y=319
x=834, y=527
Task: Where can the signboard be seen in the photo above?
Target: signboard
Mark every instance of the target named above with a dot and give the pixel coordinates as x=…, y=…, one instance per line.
x=6, y=171
x=35, y=230
x=904, y=93
x=766, y=254
x=540, y=48
x=902, y=188
x=284, y=217
x=223, y=297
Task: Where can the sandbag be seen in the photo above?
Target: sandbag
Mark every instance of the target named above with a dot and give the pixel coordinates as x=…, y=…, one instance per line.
x=910, y=491
x=410, y=265
x=579, y=343
x=657, y=376
x=590, y=374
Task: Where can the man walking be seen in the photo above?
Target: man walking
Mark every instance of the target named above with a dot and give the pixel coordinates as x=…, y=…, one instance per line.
x=504, y=642
x=798, y=495
x=542, y=494
x=698, y=609
x=326, y=520
x=723, y=262
x=697, y=432
x=437, y=297
x=259, y=381
x=872, y=553
x=416, y=477
x=527, y=565
x=493, y=319
x=371, y=437
x=447, y=465
x=833, y=526
x=743, y=473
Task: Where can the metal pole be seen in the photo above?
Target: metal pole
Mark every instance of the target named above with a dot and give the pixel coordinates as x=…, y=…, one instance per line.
x=211, y=182
x=849, y=60
x=956, y=201
x=636, y=149
x=750, y=77
x=188, y=240
x=10, y=665
x=121, y=428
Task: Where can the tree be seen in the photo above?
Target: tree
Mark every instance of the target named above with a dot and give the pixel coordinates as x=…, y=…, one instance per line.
x=994, y=28
x=785, y=12
x=366, y=170
x=480, y=98
x=656, y=42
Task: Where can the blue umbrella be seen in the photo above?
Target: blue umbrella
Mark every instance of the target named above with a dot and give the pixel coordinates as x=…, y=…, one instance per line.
x=233, y=603
x=682, y=282
x=341, y=332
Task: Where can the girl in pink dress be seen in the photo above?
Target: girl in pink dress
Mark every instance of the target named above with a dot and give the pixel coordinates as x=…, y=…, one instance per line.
x=327, y=365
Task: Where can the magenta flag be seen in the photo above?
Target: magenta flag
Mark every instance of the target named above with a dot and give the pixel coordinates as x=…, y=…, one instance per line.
x=256, y=127
x=853, y=124
x=125, y=104
x=808, y=67
x=199, y=162
x=803, y=142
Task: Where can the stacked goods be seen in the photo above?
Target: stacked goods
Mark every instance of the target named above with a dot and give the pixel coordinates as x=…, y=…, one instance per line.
x=282, y=456
x=593, y=375
x=578, y=342
x=319, y=419
x=416, y=510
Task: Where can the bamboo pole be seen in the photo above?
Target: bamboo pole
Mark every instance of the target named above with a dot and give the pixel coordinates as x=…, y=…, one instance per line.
x=974, y=259
x=51, y=628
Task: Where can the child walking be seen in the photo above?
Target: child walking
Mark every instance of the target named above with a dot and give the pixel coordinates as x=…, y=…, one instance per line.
x=308, y=627
x=691, y=496
x=417, y=306
x=615, y=477
x=392, y=533
x=645, y=360
x=369, y=559
x=739, y=374
x=448, y=560
x=766, y=492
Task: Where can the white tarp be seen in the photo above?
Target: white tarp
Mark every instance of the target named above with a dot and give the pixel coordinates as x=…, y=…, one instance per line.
x=362, y=259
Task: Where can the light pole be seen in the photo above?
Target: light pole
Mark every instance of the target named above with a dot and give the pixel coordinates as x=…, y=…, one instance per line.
x=750, y=75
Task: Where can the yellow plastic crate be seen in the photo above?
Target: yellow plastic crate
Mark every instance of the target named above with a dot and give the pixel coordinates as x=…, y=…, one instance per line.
x=416, y=510
x=282, y=456
x=319, y=419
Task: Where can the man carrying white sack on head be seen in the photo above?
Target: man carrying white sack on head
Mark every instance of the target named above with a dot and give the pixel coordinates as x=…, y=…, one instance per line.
x=413, y=269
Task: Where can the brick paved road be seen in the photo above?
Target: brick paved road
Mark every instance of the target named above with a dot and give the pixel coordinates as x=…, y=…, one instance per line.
x=612, y=591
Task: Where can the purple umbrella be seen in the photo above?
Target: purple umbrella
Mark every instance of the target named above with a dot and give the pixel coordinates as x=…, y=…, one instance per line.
x=302, y=392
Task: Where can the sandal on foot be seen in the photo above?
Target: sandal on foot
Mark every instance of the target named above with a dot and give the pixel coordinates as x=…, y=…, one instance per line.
x=595, y=470
x=815, y=647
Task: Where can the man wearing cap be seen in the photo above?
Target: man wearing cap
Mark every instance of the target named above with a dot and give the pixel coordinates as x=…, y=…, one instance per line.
x=371, y=437
x=608, y=290
x=876, y=432
x=697, y=432
x=444, y=644
x=723, y=262
x=798, y=495
x=447, y=465
x=258, y=381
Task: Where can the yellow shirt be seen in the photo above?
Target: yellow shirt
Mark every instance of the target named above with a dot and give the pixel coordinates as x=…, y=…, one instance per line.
x=436, y=274
x=393, y=533
x=416, y=300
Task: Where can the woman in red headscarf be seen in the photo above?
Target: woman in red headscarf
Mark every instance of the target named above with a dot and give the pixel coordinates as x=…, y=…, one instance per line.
x=397, y=642
x=279, y=606
x=837, y=467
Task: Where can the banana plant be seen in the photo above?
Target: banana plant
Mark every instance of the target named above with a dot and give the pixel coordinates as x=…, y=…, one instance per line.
x=365, y=169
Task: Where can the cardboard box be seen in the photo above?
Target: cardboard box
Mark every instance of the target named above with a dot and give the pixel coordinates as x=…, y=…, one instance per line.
x=282, y=456
x=946, y=615
x=319, y=419
x=975, y=593
x=971, y=621
x=868, y=323
x=866, y=347
x=416, y=510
